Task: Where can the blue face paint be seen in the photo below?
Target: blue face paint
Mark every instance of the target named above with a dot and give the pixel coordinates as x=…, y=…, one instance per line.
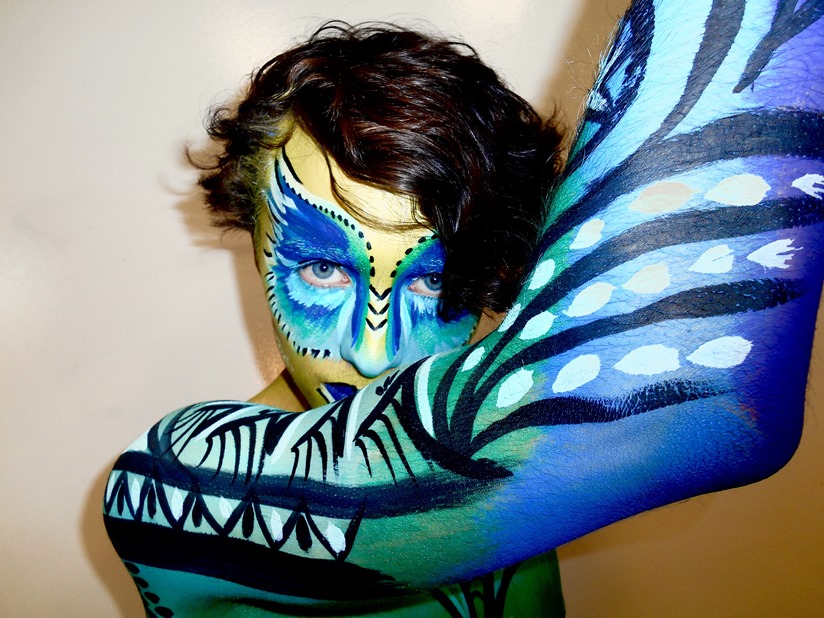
x=350, y=302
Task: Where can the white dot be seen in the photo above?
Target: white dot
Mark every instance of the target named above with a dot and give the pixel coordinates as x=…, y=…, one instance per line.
x=811, y=184
x=510, y=318
x=538, y=326
x=588, y=235
x=134, y=493
x=514, y=388
x=717, y=260
x=543, y=273
x=740, y=190
x=336, y=538
x=276, y=525
x=721, y=353
x=649, y=280
x=473, y=359
x=774, y=255
x=590, y=300
x=177, y=504
x=576, y=373
x=649, y=360
x=225, y=508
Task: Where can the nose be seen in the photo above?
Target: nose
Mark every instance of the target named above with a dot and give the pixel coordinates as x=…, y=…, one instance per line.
x=369, y=352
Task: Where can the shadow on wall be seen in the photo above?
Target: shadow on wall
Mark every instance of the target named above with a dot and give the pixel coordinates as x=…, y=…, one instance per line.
x=256, y=317
x=101, y=555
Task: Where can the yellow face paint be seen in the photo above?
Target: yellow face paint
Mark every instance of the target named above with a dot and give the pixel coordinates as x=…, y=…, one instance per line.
x=350, y=300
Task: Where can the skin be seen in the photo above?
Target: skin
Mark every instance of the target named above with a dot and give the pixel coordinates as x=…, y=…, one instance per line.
x=658, y=350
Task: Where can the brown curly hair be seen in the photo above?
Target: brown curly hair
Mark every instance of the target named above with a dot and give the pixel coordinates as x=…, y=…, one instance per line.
x=410, y=114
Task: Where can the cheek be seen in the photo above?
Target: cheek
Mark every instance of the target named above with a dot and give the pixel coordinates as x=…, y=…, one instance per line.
x=418, y=331
x=311, y=319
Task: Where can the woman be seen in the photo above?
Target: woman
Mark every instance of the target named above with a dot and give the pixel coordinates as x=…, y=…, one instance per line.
x=393, y=187
x=658, y=350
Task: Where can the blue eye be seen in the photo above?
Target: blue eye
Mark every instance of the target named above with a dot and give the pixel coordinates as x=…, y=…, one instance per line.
x=324, y=274
x=428, y=285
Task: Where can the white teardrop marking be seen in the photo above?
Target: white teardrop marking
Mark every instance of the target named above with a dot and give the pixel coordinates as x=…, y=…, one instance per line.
x=336, y=538
x=514, y=388
x=538, y=326
x=588, y=235
x=649, y=360
x=774, y=255
x=714, y=261
x=510, y=318
x=721, y=353
x=473, y=359
x=590, y=299
x=649, y=280
x=276, y=525
x=542, y=274
x=576, y=373
x=740, y=190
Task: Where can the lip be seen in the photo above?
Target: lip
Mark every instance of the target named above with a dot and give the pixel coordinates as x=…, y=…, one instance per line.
x=333, y=391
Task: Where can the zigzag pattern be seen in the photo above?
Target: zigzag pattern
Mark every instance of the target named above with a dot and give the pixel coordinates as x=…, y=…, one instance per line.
x=140, y=498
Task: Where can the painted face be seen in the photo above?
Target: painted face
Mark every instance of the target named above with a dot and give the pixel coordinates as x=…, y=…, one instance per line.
x=349, y=301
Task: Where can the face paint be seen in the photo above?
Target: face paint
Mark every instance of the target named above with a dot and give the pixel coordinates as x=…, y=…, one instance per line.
x=350, y=301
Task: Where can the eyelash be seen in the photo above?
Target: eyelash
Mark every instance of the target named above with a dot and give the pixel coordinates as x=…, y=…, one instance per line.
x=313, y=274
x=423, y=285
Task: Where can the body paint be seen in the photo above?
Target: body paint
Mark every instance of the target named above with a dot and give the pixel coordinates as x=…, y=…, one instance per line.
x=350, y=301
x=658, y=350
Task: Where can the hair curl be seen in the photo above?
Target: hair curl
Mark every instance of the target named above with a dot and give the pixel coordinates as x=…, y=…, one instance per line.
x=410, y=114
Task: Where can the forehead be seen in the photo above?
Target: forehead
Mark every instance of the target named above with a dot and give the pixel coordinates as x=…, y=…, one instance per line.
x=315, y=172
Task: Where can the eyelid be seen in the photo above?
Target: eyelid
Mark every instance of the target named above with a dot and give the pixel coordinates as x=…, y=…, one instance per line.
x=417, y=286
x=342, y=280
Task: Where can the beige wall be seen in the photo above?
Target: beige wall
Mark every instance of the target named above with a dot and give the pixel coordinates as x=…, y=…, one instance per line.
x=118, y=303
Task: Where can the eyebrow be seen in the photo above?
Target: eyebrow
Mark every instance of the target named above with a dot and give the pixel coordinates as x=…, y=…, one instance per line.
x=329, y=239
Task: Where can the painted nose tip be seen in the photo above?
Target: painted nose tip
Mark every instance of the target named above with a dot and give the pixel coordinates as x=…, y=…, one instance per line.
x=369, y=356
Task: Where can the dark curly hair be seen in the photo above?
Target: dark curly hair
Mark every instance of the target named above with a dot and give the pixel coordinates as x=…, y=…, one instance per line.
x=413, y=115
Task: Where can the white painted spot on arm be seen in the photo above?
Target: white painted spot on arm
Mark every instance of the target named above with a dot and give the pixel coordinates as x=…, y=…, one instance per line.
x=422, y=395
x=510, y=318
x=662, y=197
x=588, y=235
x=224, y=507
x=276, y=525
x=576, y=373
x=774, y=255
x=649, y=360
x=543, y=273
x=811, y=184
x=538, y=326
x=649, y=280
x=336, y=538
x=514, y=388
x=721, y=353
x=717, y=260
x=176, y=504
x=740, y=190
x=473, y=359
x=134, y=492
x=590, y=299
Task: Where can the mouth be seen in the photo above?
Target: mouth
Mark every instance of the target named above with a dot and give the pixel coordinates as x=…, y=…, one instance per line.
x=333, y=391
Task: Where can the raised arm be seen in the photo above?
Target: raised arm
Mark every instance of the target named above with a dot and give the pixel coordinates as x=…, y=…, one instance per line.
x=659, y=350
